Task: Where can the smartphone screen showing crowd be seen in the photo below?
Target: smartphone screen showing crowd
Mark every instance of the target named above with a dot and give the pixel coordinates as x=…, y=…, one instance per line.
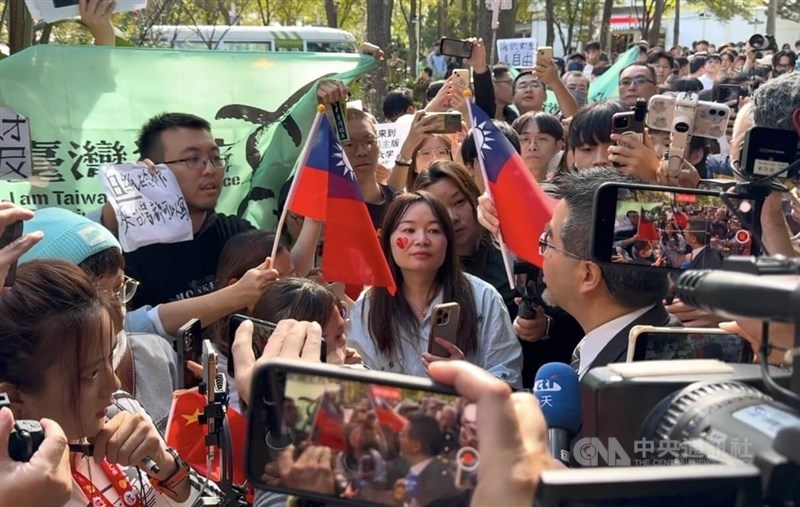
x=664, y=228
x=379, y=438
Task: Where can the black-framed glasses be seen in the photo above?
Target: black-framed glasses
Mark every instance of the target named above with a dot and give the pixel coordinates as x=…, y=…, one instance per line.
x=638, y=81
x=545, y=245
x=127, y=290
x=198, y=163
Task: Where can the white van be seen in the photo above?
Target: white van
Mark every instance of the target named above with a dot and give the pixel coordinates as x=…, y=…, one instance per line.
x=256, y=38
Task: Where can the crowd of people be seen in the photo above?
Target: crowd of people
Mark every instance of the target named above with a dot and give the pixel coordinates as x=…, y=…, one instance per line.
x=87, y=331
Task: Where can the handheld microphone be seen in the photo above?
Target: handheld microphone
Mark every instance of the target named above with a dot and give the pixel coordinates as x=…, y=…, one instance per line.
x=736, y=295
x=558, y=392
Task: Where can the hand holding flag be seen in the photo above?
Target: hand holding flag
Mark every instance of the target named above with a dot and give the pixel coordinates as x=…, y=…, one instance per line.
x=325, y=188
x=523, y=208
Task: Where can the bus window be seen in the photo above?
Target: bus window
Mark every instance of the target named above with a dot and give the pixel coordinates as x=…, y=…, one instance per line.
x=330, y=47
x=248, y=46
x=288, y=44
x=195, y=44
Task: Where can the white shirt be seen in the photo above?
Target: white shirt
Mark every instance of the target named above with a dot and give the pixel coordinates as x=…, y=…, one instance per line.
x=597, y=339
x=708, y=83
x=498, y=351
x=696, y=252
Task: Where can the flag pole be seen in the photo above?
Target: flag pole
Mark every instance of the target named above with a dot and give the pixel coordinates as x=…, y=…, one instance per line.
x=499, y=236
x=293, y=188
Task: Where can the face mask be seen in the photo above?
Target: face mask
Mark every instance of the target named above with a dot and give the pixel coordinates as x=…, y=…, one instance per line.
x=580, y=96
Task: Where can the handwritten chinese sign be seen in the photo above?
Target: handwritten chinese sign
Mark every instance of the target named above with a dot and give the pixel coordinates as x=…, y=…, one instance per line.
x=15, y=146
x=520, y=53
x=150, y=208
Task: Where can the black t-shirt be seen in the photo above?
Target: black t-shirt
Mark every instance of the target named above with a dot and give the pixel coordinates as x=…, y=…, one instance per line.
x=173, y=271
x=376, y=210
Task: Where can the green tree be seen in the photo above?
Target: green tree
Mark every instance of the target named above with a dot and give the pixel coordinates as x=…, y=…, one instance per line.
x=789, y=9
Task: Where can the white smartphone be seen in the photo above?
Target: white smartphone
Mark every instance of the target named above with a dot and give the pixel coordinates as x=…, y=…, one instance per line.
x=710, y=118
x=649, y=343
x=544, y=54
x=462, y=75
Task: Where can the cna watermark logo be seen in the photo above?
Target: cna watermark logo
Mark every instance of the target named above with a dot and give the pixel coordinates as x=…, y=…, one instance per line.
x=592, y=452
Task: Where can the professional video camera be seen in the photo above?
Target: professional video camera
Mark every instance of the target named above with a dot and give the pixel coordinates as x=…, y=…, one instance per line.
x=734, y=429
x=763, y=42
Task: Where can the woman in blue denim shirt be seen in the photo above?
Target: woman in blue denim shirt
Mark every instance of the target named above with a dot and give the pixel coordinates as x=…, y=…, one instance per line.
x=392, y=332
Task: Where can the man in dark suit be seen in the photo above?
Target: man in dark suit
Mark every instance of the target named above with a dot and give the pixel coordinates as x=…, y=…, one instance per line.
x=430, y=477
x=698, y=236
x=606, y=300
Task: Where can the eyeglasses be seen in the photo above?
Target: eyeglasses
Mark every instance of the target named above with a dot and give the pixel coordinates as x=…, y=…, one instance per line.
x=530, y=85
x=368, y=143
x=638, y=81
x=199, y=163
x=439, y=152
x=545, y=245
x=128, y=290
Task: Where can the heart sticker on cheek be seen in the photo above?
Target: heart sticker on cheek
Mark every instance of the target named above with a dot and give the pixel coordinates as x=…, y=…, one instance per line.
x=402, y=243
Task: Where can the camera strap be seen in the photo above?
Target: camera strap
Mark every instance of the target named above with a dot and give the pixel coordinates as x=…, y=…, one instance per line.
x=118, y=481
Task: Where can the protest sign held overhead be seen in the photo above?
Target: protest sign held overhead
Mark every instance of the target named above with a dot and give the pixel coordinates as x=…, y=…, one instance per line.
x=517, y=52
x=150, y=208
x=54, y=10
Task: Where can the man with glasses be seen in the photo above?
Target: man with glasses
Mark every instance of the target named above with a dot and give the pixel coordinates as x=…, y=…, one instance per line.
x=175, y=271
x=607, y=301
x=637, y=81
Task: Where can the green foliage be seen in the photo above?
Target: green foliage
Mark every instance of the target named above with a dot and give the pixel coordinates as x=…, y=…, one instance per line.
x=725, y=10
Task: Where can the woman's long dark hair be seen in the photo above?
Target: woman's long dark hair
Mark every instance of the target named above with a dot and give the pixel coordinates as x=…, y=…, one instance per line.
x=388, y=314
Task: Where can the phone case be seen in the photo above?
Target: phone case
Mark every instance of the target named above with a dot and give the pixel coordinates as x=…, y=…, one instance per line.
x=710, y=120
x=444, y=324
x=185, y=346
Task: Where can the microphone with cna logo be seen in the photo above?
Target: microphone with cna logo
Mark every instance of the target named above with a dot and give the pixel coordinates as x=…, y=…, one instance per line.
x=558, y=392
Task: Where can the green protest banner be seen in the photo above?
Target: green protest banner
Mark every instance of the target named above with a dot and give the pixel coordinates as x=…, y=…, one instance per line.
x=86, y=104
x=606, y=86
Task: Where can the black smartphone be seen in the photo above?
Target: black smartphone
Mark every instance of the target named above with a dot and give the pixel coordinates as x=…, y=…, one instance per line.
x=648, y=343
x=455, y=47
x=188, y=348
x=262, y=330
x=655, y=227
x=362, y=417
x=11, y=233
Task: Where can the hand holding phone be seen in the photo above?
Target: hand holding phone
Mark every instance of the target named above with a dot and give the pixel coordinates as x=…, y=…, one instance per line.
x=289, y=340
x=12, y=244
x=444, y=333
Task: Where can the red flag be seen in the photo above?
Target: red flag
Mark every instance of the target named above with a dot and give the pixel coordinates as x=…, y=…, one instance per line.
x=327, y=190
x=682, y=219
x=523, y=208
x=329, y=424
x=385, y=414
x=647, y=228
x=186, y=435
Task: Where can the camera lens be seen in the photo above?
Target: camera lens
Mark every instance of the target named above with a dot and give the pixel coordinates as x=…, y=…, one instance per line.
x=756, y=41
x=621, y=123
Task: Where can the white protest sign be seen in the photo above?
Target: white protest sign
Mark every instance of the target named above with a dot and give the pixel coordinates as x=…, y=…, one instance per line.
x=390, y=140
x=150, y=208
x=15, y=146
x=520, y=53
x=54, y=10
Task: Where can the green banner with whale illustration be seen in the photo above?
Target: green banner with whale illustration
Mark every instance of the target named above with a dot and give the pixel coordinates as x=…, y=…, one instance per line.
x=86, y=104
